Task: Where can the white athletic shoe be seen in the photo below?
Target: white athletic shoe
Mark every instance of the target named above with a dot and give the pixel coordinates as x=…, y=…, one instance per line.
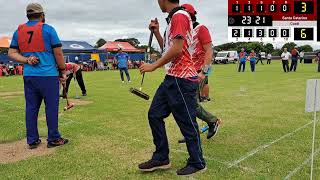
x=123, y=82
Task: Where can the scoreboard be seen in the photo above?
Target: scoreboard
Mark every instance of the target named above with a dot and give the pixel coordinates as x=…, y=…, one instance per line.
x=273, y=20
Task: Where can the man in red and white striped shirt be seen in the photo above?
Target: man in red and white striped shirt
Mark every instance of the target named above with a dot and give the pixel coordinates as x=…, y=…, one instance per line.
x=202, y=58
x=177, y=92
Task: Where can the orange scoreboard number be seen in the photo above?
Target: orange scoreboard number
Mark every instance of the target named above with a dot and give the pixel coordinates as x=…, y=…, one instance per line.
x=273, y=20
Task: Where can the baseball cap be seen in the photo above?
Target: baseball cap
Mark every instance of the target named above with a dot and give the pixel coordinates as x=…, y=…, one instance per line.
x=190, y=8
x=34, y=8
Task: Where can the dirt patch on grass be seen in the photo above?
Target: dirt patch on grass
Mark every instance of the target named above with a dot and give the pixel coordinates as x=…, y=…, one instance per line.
x=18, y=151
x=11, y=95
x=79, y=102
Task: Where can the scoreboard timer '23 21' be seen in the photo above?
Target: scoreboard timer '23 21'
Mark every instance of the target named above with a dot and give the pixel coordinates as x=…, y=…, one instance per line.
x=273, y=20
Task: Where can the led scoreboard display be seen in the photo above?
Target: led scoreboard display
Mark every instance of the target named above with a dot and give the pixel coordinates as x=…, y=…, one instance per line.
x=273, y=20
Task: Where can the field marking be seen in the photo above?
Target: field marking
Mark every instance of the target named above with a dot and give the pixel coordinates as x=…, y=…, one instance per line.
x=260, y=148
x=297, y=169
x=226, y=163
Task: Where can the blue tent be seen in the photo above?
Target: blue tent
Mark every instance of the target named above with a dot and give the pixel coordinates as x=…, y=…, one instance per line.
x=78, y=47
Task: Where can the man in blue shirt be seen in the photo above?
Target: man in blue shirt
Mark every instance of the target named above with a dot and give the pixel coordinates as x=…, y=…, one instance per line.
x=122, y=61
x=37, y=46
x=253, y=58
x=242, y=59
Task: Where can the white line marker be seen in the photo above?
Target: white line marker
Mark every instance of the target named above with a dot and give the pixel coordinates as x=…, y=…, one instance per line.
x=297, y=169
x=260, y=148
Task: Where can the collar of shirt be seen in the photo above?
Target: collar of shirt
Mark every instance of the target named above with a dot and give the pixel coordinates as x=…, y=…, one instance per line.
x=174, y=10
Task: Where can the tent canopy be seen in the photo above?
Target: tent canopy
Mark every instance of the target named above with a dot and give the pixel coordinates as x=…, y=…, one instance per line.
x=5, y=42
x=78, y=47
x=125, y=46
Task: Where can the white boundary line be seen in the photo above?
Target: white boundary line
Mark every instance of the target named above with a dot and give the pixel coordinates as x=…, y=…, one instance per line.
x=297, y=169
x=261, y=148
x=180, y=151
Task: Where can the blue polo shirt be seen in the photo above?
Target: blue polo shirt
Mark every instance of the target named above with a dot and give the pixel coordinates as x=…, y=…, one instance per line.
x=122, y=59
x=47, y=61
x=244, y=57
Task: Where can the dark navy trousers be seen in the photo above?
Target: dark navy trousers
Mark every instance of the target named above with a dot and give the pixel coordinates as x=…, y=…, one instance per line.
x=37, y=89
x=176, y=96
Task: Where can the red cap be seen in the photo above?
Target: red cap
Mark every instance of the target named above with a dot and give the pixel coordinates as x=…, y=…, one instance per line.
x=190, y=8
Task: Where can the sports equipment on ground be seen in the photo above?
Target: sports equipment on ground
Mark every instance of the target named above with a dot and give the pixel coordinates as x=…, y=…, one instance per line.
x=139, y=92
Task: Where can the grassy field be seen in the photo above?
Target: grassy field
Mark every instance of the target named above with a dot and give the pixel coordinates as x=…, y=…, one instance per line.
x=266, y=133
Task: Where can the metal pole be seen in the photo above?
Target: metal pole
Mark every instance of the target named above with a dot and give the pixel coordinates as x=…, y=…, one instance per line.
x=314, y=130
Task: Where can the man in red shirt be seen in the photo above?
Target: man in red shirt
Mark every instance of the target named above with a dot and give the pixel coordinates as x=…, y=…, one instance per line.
x=74, y=70
x=202, y=57
x=176, y=93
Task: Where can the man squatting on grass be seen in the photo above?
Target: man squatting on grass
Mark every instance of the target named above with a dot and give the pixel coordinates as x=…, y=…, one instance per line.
x=74, y=70
x=176, y=93
x=202, y=57
x=37, y=46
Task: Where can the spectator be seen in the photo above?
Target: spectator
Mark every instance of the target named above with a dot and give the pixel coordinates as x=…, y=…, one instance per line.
x=242, y=58
x=294, y=59
x=259, y=58
x=301, y=56
x=122, y=61
x=269, y=57
x=318, y=59
x=253, y=58
x=285, y=60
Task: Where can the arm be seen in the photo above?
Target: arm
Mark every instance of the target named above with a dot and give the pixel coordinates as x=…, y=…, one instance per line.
x=58, y=54
x=154, y=26
x=15, y=55
x=208, y=59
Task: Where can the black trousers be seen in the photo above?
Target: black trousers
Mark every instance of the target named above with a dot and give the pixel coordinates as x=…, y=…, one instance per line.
x=127, y=73
x=294, y=65
x=79, y=80
x=260, y=61
x=285, y=65
x=301, y=60
x=176, y=96
x=269, y=61
x=242, y=65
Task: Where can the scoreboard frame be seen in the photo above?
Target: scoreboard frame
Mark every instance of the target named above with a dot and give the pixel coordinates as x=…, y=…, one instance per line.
x=265, y=18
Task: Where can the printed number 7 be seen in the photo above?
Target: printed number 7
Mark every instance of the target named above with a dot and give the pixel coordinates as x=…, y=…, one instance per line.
x=31, y=35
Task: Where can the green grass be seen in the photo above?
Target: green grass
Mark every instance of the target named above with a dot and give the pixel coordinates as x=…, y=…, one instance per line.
x=110, y=137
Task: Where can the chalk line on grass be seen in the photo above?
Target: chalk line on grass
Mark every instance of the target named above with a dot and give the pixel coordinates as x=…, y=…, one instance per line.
x=297, y=169
x=260, y=148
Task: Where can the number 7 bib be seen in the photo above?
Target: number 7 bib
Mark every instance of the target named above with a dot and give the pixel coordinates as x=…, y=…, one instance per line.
x=30, y=38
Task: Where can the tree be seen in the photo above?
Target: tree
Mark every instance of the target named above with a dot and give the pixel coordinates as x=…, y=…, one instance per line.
x=276, y=52
x=290, y=46
x=100, y=43
x=133, y=41
x=3, y=51
x=306, y=48
x=268, y=48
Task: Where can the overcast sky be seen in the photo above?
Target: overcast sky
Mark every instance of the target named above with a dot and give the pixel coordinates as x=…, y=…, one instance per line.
x=89, y=20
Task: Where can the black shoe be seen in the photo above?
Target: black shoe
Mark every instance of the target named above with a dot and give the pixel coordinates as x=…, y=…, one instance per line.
x=208, y=99
x=84, y=94
x=153, y=165
x=213, y=128
x=189, y=170
x=58, y=142
x=35, y=144
x=182, y=141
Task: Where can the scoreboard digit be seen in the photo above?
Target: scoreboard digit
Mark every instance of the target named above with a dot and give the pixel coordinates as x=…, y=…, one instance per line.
x=273, y=20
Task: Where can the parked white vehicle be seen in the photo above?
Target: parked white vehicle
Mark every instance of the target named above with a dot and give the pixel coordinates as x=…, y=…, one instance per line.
x=226, y=57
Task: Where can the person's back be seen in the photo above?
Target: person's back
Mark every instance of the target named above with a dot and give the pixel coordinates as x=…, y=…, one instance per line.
x=37, y=45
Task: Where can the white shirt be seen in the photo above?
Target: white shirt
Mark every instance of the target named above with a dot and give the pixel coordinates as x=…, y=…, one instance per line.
x=269, y=56
x=285, y=55
x=302, y=54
